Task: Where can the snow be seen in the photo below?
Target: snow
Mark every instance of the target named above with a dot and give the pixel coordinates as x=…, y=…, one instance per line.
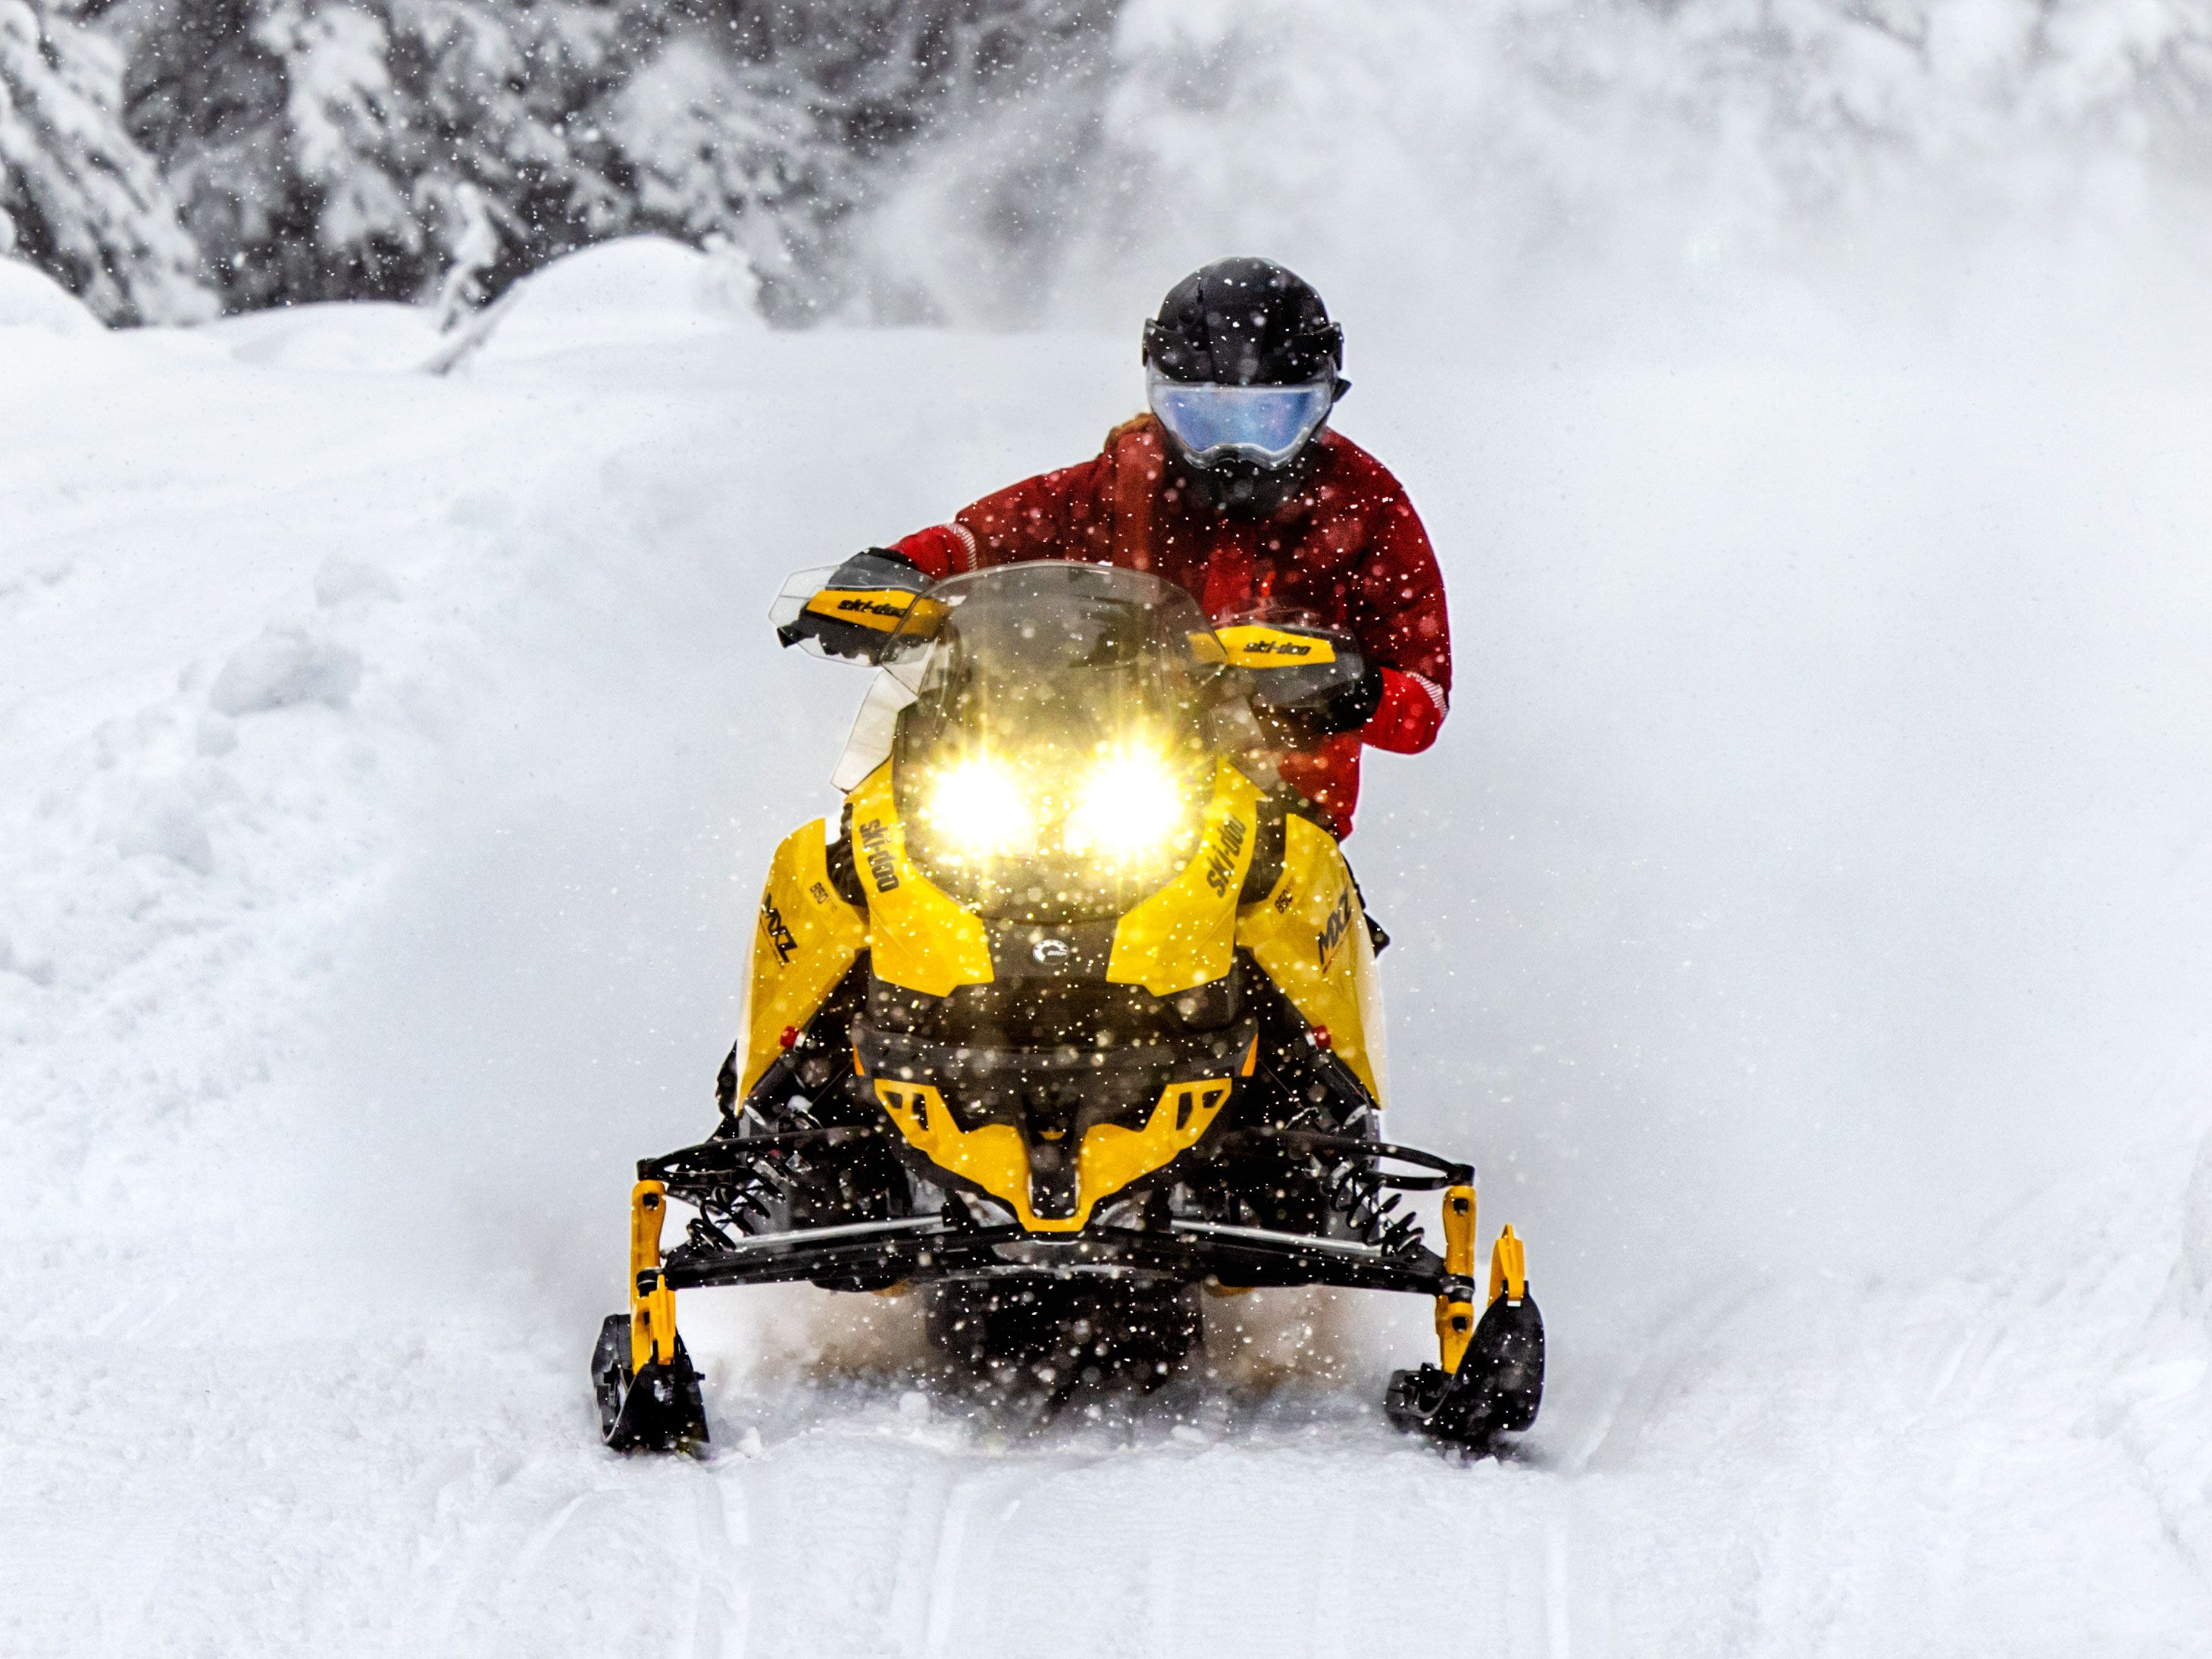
x=1528, y=175
x=1801, y=921
x=635, y=290
x=285, y=666
x=31, y=299
x=361, y=334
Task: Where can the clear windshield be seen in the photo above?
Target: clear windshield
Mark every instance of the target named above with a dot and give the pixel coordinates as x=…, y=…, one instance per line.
x=1059, y=748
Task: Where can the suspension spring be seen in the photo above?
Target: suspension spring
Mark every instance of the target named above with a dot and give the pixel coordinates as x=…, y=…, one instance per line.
x=1359, y=1193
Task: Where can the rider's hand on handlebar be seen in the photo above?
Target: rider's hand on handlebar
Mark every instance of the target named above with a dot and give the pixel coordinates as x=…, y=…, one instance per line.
x=1309, y=680
x=857, y=605
x=1345, y=707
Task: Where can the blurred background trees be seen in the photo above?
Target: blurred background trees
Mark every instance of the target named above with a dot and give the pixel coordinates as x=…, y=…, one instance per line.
x=164, y=158
x=986, y=162
x=78, y=195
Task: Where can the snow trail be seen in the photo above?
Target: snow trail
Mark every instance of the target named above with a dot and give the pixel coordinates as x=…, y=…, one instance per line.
x=1801, y=922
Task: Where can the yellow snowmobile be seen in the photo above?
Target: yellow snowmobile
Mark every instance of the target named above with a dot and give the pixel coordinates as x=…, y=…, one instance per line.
x=1073, y=1019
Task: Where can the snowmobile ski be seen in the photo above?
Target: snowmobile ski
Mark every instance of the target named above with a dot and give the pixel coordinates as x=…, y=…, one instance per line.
x=1496, y=1390
x=659, y=1408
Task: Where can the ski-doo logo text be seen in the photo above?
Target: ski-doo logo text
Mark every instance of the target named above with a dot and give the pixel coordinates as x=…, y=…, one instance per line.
x=1333, y=931
x=1221, y=856
x=1277, y=648
x=876, y=848
x=869, y=608
x=779, y=935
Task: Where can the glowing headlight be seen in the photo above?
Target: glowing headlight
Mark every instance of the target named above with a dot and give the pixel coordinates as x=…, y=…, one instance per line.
x=1129, y=805
x=979, y=806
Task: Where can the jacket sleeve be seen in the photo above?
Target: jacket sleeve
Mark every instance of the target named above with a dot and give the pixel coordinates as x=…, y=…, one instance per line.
x=1410, y=716
x=1054, y=515
x=941, y=551
x=1403, y=626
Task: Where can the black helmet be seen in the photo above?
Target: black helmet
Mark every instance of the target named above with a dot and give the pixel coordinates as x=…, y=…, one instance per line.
x=1255, y=345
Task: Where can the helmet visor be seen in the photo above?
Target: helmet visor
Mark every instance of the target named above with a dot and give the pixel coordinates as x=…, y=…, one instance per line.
x=1268, y=423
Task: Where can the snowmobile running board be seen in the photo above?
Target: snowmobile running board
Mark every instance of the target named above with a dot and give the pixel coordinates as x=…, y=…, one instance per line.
x=1491, y=1381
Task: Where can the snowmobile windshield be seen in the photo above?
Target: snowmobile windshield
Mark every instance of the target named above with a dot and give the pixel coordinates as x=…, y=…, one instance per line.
x=1266, y=424
x=1059, y=751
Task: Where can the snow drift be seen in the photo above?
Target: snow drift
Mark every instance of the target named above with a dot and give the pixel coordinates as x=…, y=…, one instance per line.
x=31, y=299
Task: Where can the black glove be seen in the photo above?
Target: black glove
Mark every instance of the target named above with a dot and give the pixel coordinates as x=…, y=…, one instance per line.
x=853, y=614
x=1347, y=707
x=1308, y=681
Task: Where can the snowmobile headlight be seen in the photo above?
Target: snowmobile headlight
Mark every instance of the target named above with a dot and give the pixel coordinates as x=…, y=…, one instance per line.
x=1128, y=805
x=979, y=807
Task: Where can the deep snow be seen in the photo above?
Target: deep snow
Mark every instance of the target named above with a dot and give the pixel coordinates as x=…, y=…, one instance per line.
x=1801, y=921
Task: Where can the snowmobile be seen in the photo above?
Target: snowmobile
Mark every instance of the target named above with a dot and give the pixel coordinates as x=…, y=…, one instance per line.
x=1072, y=1021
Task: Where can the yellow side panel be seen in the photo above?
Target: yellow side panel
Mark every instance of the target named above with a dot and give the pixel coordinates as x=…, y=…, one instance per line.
x=1186, y=934
x=803, y=939
x=992, y=1156
x=1309, y=936
x=922, y=938
x=1110, y=1158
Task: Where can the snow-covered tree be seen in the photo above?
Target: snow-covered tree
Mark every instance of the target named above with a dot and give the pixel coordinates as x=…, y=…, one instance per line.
x=777, y=124
x=329, y=148
x=77, y=197
x=714, y=155
x=438, y=148
x=325, y=148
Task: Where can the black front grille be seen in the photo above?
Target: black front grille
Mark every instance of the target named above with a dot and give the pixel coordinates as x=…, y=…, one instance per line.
x=1044, y=1013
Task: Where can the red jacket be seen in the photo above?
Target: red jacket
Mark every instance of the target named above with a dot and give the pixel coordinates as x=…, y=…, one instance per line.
x=1348, y=548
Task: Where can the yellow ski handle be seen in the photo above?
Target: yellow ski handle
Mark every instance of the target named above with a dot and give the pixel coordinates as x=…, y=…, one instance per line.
x=1509, y=1267
x=652, y=1303
x=1455, y=1316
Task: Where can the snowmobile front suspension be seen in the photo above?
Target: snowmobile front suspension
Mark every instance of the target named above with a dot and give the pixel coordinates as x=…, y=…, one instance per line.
x=735, y=1182
x=1456, y=1311
x=652, y=1303
x=1489, y=1381
x=924, y=1248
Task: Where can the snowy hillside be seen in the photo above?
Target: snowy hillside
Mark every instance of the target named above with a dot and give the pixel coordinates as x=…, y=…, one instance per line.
x=1803, y=920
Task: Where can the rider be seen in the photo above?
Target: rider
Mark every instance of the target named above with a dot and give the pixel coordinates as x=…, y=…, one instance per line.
x=1234, y=488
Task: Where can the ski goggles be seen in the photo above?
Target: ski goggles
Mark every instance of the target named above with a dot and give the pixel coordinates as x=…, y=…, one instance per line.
x=1268, y=423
